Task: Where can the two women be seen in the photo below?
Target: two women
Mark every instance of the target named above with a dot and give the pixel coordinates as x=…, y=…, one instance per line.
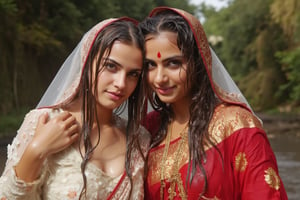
x=207, y=143
x=74, y=146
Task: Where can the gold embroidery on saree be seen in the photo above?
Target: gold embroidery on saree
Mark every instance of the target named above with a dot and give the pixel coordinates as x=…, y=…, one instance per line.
x=156, y=157
x=174, y=174
x=272, y=178
x=241, y=162
x=226, y=120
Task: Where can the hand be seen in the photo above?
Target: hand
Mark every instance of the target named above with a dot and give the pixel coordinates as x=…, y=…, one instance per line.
x=51, y=136
x=54, y=135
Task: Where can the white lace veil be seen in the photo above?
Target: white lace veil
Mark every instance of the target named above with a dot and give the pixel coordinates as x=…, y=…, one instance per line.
x=222, y=83
x=222, y=78
x=65, y=85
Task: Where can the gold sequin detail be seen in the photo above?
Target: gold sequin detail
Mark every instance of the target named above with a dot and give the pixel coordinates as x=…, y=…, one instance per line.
x=228, y=119
x=241, y=162
x=272, y=178
x=174, y=174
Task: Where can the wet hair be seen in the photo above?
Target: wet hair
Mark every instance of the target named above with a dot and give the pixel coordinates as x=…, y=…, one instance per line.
x=126, y=32
x=203, y=99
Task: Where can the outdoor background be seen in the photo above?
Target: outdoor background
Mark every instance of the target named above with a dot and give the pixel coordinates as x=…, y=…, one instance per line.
x=258, y=42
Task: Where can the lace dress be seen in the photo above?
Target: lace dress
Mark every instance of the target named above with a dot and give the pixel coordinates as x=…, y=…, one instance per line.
x=61, y=176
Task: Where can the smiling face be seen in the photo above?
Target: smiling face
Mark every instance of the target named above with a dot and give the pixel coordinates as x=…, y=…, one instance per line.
x=119, y=75
x=166, y=68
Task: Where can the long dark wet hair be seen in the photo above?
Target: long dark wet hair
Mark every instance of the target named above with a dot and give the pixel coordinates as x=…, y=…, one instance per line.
x=203, y=99
x=124, y=31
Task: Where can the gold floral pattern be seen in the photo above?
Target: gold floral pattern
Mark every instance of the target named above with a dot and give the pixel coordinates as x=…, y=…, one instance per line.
x=228, y=119
x=155, y=158
x=272, y=178
x=241, y=162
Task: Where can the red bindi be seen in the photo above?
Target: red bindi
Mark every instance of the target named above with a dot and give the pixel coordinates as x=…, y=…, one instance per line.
x=158, y=55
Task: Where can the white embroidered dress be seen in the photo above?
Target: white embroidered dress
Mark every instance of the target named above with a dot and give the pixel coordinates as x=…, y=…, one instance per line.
x=61, y=176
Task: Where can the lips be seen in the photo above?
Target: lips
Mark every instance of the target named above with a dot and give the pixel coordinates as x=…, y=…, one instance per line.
x=115, y=95
x=164, y=90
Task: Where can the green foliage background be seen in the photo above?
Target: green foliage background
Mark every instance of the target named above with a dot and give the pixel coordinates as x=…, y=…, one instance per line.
x=36, y=36
x=261, y=50
x=259, y=46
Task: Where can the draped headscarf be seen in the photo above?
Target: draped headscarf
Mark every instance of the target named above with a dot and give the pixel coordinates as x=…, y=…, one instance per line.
x=65, y=85
x=223, y=85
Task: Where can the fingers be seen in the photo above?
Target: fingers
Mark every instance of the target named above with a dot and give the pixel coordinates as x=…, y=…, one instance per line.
x=74, y=137
x=64, y=120
x=73, y=129
x=63, y=115
x=69, y=124
x=70, y=121
x=73, y=134
x=43, y=118
x=56, y=133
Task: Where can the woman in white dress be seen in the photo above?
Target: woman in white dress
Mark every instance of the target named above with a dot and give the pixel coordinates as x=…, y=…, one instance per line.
x=75, y=145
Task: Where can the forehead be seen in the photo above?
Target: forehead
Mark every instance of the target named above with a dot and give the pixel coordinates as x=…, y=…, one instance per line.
x=164, y=42
x=127, y=55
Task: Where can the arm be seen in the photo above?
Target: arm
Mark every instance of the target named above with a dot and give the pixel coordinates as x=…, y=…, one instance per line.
x=256, y=169
x=37, y=138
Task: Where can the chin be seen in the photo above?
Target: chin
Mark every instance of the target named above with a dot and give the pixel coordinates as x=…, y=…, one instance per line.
x=110, y=105
x=168, y=100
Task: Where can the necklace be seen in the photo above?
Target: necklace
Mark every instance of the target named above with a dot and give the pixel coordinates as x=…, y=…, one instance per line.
x=175, y=176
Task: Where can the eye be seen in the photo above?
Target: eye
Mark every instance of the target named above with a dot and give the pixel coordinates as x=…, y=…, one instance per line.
x=150, y=64
x=175, y=63
x=110, y=66
x=134, y=74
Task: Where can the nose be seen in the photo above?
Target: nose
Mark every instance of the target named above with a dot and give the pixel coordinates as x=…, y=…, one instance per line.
x=120, y=81
x=161, y=75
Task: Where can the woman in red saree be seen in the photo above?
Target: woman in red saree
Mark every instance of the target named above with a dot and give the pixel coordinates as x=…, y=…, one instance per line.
x=207, y=142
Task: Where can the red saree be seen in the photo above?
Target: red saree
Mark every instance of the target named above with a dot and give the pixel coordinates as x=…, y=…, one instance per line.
x=246, y=169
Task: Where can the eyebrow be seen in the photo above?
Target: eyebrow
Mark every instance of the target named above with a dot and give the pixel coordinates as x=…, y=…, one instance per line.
x=119, y=65
x=105, y=60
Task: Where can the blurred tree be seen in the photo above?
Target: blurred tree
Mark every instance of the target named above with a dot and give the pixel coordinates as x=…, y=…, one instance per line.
x=286, y=14
x=182, y=4
x=262, y=83
x=248, y=45
x=8, y=21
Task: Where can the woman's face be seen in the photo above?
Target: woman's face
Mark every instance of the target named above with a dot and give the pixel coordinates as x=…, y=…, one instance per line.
x=119, y=75
x=166, y=68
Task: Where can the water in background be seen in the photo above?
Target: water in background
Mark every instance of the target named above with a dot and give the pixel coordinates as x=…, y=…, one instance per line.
x=287, y=148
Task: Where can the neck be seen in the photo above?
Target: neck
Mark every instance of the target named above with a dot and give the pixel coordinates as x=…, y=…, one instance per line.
x=105, y=116
x=181, y=112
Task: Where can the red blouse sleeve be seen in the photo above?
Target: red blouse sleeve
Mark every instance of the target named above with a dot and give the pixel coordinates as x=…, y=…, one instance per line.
x=255, y=166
